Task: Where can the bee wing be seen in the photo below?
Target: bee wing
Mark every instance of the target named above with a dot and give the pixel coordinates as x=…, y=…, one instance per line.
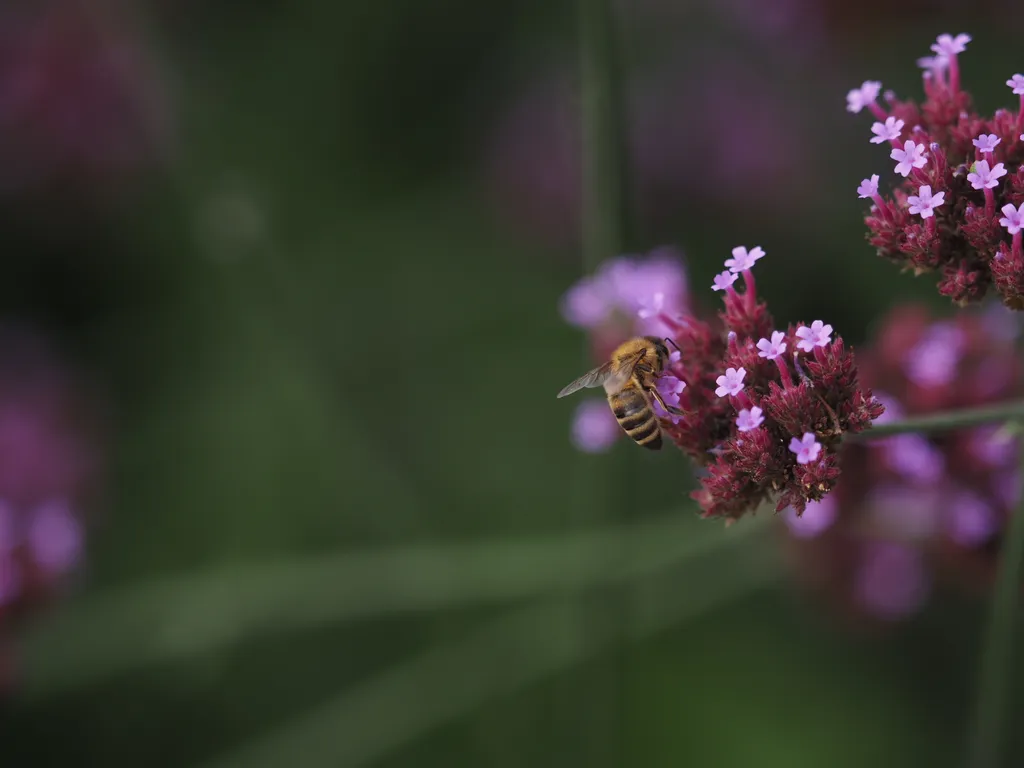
x=603, y=376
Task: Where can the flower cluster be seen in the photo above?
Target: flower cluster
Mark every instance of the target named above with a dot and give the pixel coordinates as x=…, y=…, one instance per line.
x=913, y=503
x=763, y=409
x=958, y=209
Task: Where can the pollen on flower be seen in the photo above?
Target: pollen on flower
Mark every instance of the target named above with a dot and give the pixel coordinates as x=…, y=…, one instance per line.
x=723, y=280
x=924, y=202
x=749, y=418
x=858, y=98
x=868, y=187
x=911, y=156
x=983, y=177
x=771, y=349
x=890, y=130
x=806, y=448
x=742, y=259
x=731, y=383
x=818, y=335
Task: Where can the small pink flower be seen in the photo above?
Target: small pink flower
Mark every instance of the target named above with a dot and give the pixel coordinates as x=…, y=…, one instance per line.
x=861, y=97
x=723, y=280
x=911, y=156
x=774, y=348
x=935, y=64
x=651, y=307
x=742, y=259
x=924, y=203
x=805, y=448
x=868, y=187
x=948, y=46
x=1013, y=218
x=887, y=131
x=1017, y=83
x=731, y=383
x=749, y=418
x=818, y=335
x=984, y=177
x=986, y=142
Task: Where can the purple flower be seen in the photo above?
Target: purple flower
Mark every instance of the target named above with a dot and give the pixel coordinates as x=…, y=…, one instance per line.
x=670, y=388
x=890, y=130
x=816, y=519
x=949, y=46
x=986, y=142
x=911, y=156
x=594, y=428
x=818, y=335
x=749, y=418
x=932, y=362
x=1017, y=83
x=742, y=259
x=914, y=457
x=723, y=280
x=970, y=521
x=55, y=537
x=586, y=304
x=984, y=177
x=774, y=348
x=994, y=446
x=805, y=448
x=893, y=408
x=651, y=307
x=935, y=64
x=1013, y=218
x=891, y=581
x=924, y=203
x=731, y=383
x=868, y=187
x=861, y=97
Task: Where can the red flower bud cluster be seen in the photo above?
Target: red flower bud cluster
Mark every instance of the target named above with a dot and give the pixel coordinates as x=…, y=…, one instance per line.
x=763, y=411
x=957, y=210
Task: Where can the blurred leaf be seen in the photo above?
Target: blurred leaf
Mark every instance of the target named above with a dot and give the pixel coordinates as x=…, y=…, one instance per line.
x=106, y=635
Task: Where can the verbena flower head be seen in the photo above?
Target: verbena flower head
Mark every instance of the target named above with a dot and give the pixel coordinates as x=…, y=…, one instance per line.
x=971, y=163
x=912, y=504
x=890, y=130
x=747, y=389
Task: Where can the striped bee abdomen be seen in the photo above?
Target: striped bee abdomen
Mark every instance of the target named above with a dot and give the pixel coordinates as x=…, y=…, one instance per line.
x=636, y=417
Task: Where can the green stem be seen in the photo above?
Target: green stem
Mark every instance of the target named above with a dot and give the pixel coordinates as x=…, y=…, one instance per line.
x=603, y=209
x=990, y=715
x=947, y=421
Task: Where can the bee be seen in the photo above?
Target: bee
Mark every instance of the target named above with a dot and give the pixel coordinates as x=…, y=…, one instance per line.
x=629, y=381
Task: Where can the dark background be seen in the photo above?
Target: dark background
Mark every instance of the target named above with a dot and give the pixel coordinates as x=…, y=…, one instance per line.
x=319, y=310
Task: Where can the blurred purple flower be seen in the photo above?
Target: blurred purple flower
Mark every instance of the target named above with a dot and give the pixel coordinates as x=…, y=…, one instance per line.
x=594, y=428
x=914, y=457
x=932, y=362
x=816, y=519
x=970, y=520
x=891, y=581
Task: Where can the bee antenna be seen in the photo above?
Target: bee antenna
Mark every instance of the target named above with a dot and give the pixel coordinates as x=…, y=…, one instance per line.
x=673, y=344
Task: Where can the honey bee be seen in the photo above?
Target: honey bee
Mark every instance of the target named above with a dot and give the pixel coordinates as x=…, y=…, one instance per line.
x=629, y=380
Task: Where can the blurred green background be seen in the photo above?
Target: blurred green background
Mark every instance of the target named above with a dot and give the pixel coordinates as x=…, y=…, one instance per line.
x=343, y=523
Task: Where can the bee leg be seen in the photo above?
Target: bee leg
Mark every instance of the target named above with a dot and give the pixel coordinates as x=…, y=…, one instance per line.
x=670, y=408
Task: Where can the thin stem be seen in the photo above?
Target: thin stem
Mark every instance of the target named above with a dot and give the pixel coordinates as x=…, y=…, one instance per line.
x=946, y=421
x=991, y=707
x=603, y=212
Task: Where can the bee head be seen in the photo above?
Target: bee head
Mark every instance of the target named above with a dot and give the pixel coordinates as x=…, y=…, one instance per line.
x=662, y=350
